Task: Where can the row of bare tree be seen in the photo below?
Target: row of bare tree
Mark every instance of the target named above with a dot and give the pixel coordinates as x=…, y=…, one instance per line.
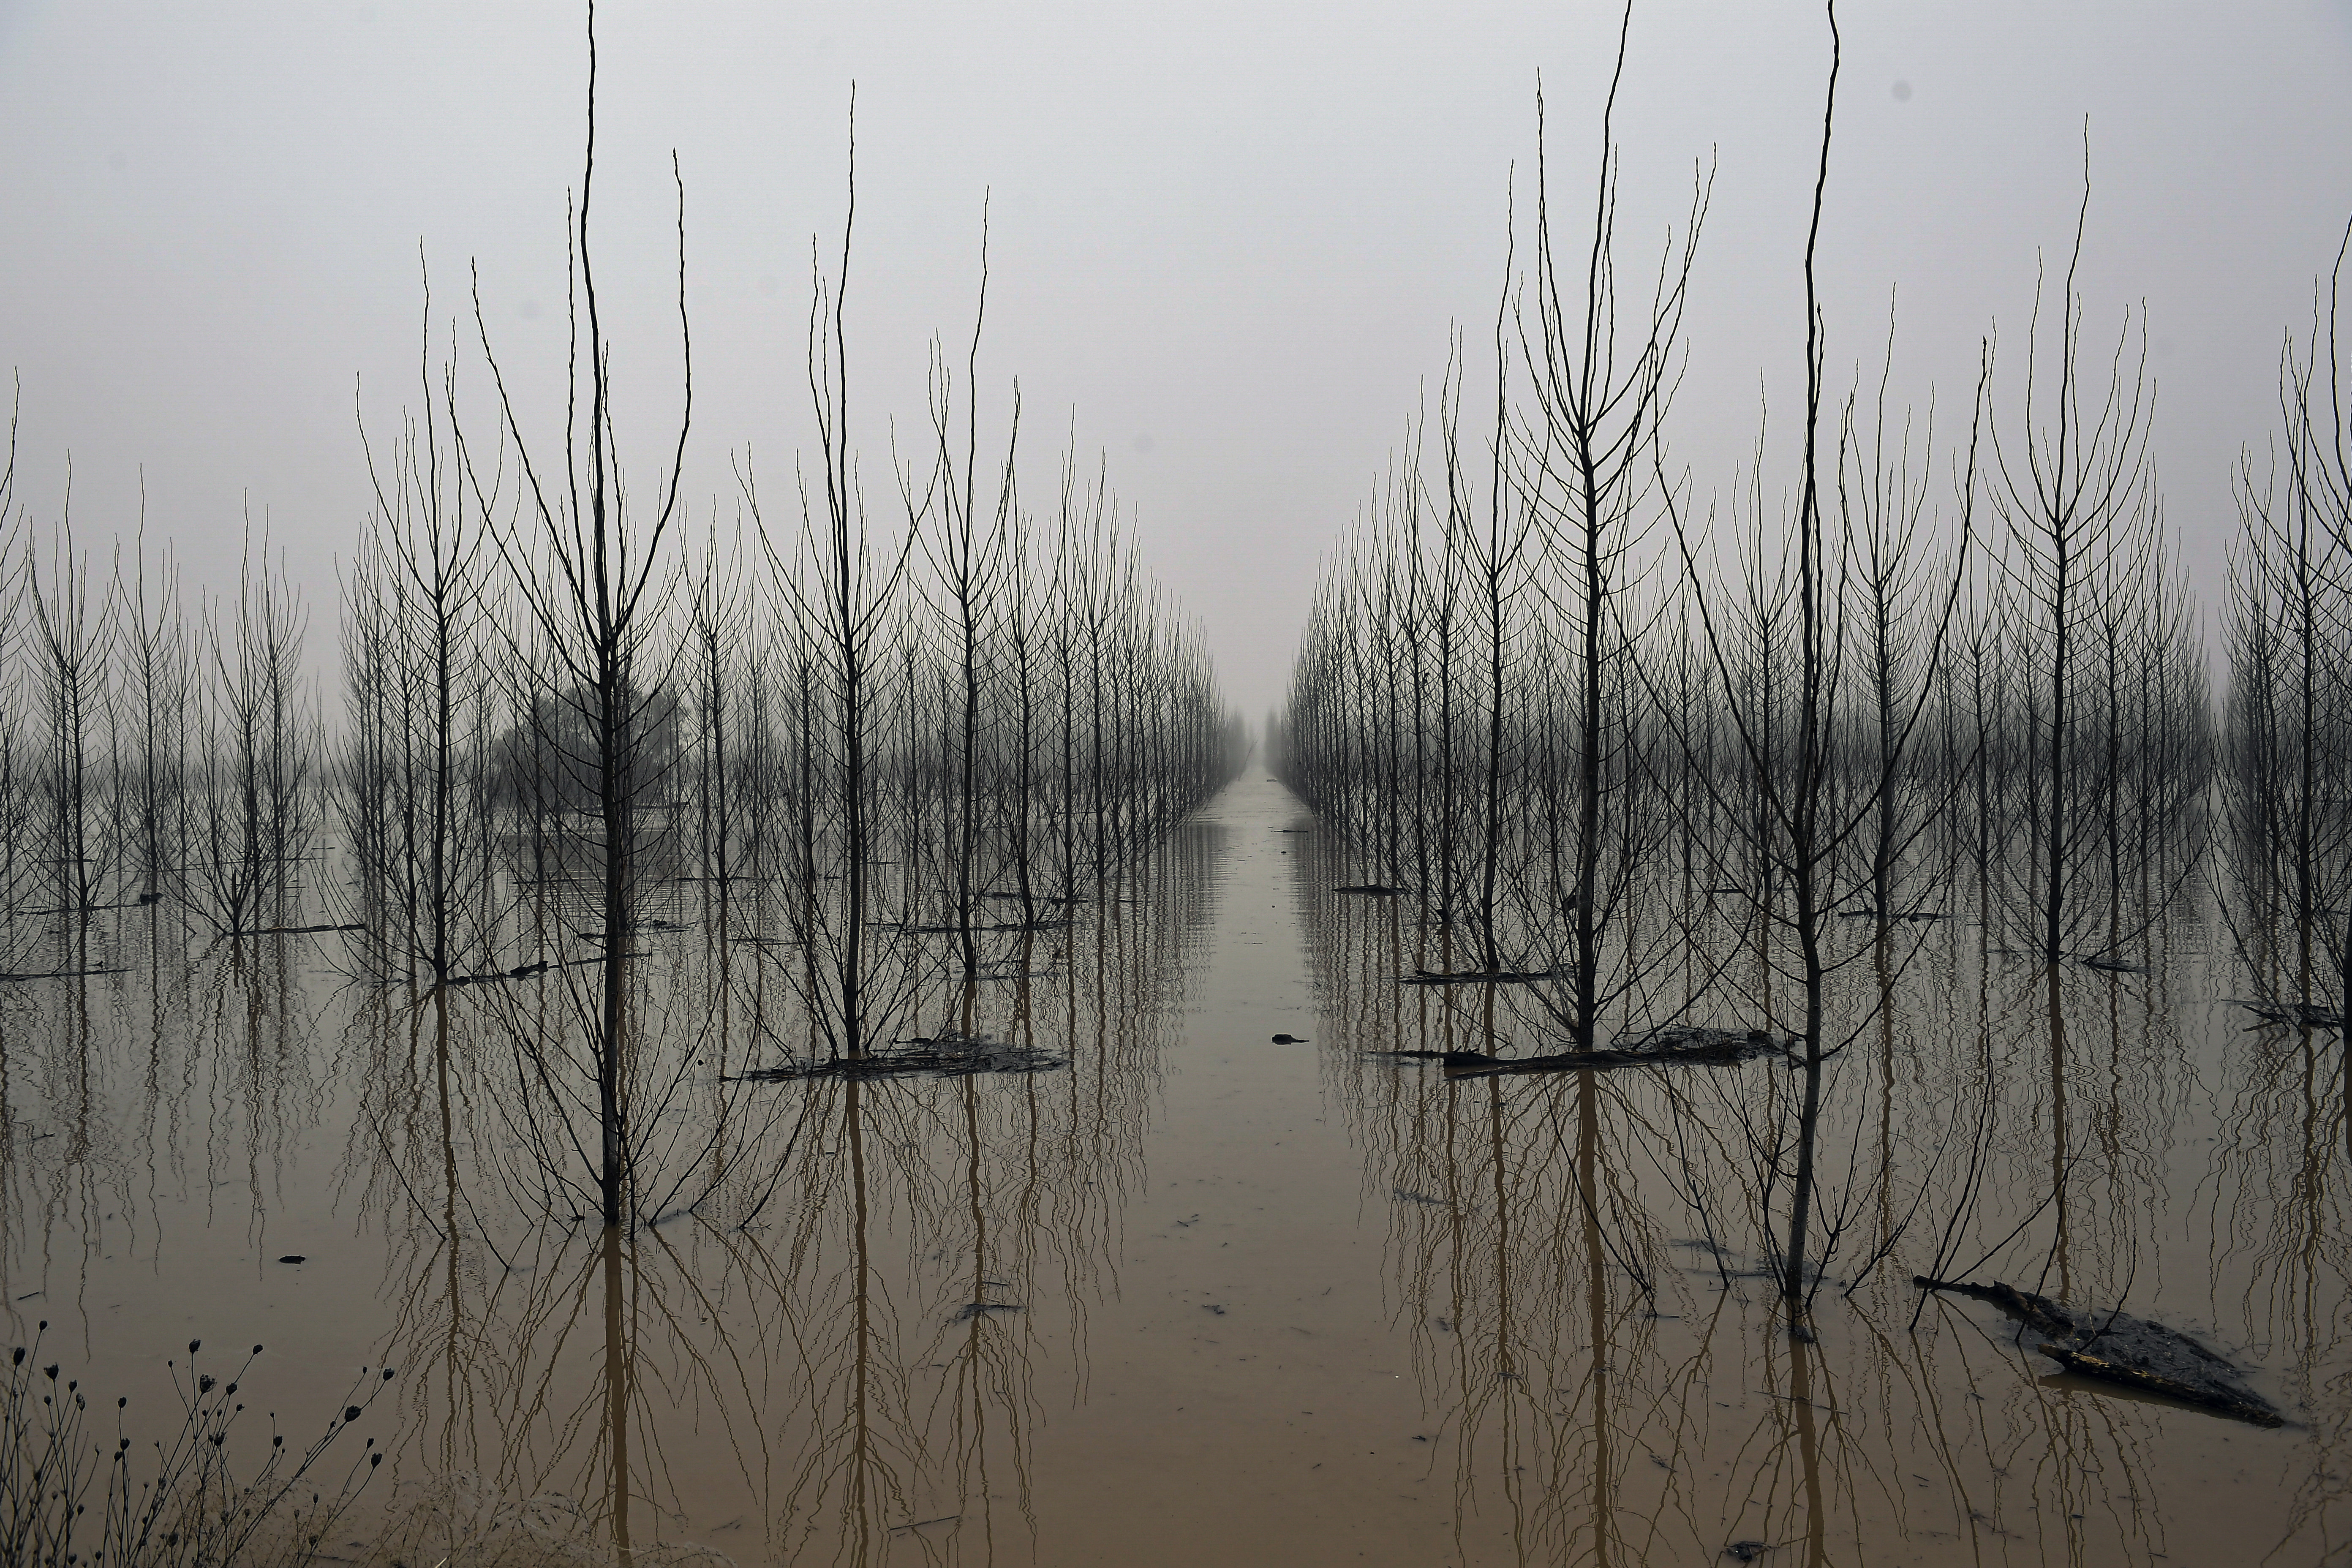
x=1582, y=717
x=871, y=747
x=155, y=747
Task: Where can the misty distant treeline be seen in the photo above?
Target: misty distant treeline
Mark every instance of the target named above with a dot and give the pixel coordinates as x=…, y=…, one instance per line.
x=1031, y=713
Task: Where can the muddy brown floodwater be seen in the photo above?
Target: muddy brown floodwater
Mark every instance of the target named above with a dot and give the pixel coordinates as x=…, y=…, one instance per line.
x=1194, y=1297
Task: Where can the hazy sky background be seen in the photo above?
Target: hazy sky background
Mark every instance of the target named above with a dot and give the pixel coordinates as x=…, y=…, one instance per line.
x=1230, y=237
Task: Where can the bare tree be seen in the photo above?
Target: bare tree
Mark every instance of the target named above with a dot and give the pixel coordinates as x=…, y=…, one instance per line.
x=1588, y=466
x=73, y=628
x=2289, y=620
x=589, y=581
x=2077, y=498
x=848, y=601
x=417, y=632
x=968, y=559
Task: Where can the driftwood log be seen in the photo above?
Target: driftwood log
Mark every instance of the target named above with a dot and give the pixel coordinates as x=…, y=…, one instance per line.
x=1667, y=1048
x=947, y=1056
x=60, y=975
x=1473, y=976
x=2115, y=1347
x=2295, y=1014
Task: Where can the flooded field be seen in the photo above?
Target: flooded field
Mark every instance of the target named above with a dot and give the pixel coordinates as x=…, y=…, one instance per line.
x=1177, y=1293
x=781, y=877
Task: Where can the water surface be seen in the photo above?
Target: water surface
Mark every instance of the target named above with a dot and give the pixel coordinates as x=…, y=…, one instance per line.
x=1194, y=1297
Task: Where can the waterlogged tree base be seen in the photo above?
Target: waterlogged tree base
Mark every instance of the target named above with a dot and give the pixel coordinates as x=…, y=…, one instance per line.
x=944, y=1056
x=1666, y=1047
x=2117, y=1348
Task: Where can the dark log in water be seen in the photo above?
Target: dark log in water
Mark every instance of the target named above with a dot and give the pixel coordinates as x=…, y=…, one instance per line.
x=59, y=974
x=1451, y=1058
x=2295, y=1014
x=1473, y=976
x=2115, y=1347
x=1667, y=1048
x=519, y=972
x=946, y=1056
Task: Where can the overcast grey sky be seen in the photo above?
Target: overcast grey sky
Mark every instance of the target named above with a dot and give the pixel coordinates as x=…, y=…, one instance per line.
x=1230, y=236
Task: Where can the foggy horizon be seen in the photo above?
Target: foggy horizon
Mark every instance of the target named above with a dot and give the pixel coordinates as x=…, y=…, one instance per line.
x=1226, y=249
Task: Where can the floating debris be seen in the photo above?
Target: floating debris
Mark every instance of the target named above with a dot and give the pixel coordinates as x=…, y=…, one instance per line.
x=639, y=927
x=1288, y=1040
x=902, y=928
x=1449, y=1058
x=1370, y=890
x=2295, y=1014
x=519, y=972
x=1473, y=976
x=141, y=903
x=971, y=1309
x=1666, y=1047
x=2115, y=1347
x=945, y=1056
x=59, y=974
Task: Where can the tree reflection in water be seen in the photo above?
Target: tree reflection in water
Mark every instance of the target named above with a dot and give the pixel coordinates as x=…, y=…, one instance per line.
x=1586, y=1273
x=838, y=1355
